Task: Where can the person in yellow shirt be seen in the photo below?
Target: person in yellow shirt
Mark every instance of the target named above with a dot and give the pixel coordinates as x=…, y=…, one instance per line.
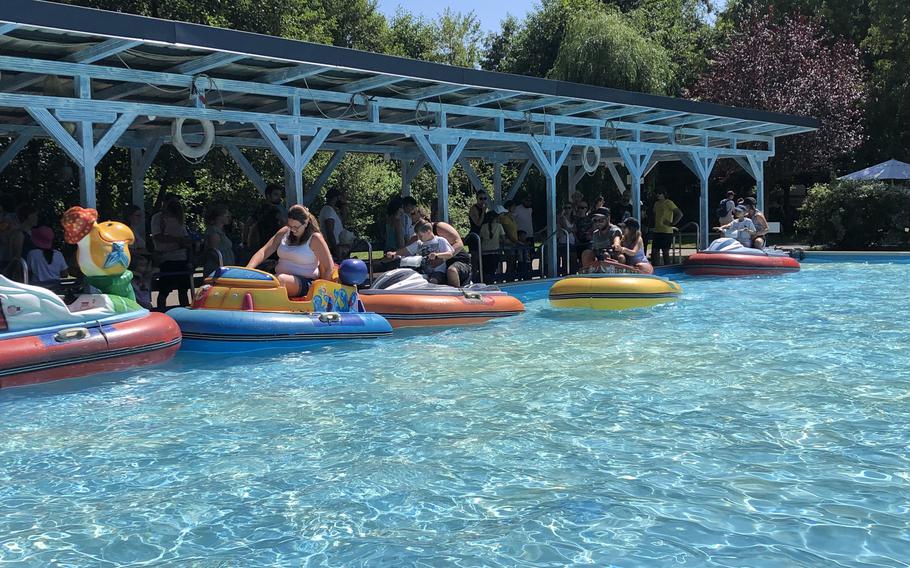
x=666, y=216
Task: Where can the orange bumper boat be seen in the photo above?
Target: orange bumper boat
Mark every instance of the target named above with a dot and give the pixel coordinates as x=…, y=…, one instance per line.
x=405, y=299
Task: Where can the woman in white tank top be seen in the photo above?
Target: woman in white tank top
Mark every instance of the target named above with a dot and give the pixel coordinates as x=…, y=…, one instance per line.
x=303, y=254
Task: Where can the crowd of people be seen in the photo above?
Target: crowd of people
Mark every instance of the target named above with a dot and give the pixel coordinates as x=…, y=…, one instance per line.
x=291, y=242
x=300, y=246
x=740, y=219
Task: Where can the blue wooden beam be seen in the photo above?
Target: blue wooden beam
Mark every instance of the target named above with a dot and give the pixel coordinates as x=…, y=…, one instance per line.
x=435, y=91
x=371, y=83
x=660, y=115
x=618, y=113
x=63, y=138
x=206, y=63
x=424, y=144
x=519, y=180
x=14, y=148
x=188, y=68
x=112, y=135
x=472, y=175
x=487, y=98
x=246, y=167
x=539, y=103
x=324, y=176
x=582, y=108
x=102, y=50
x=89, y=55
x=290, y=74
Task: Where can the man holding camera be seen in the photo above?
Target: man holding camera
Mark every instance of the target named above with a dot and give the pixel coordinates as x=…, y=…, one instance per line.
x=604, y=239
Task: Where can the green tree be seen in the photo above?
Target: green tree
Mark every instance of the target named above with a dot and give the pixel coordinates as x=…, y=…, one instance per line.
x=888, y=44
x=498, y=45
x=602, y=48
x=680, y=27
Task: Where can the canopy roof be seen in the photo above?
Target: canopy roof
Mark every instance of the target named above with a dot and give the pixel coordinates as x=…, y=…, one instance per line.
x=91, y=79
x=251, y=72
x=892, y=169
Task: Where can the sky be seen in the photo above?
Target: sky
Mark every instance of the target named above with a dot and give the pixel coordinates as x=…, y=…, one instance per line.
x=490, y=12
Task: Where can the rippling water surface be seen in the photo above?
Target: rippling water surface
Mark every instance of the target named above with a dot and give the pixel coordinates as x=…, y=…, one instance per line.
x=758, y=422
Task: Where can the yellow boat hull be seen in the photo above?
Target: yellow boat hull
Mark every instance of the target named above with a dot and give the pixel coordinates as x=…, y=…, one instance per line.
x=613, y=291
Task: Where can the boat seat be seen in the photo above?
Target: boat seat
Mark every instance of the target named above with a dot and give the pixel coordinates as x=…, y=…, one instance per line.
x=30, y=307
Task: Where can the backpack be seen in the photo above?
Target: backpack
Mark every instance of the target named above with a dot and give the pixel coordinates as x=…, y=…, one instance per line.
x=722, y=210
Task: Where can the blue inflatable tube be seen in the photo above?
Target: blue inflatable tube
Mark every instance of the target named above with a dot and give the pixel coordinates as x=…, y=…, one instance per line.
x=230, y=331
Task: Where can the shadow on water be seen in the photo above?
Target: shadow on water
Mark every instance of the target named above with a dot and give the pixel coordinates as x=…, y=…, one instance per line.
x=186, y=363
x=582, y=315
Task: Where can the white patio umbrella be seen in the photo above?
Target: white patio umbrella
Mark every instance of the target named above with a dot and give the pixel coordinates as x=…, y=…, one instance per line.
x=892, y=169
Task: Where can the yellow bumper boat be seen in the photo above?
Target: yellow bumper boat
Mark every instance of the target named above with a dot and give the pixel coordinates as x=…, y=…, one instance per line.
x=613, y=291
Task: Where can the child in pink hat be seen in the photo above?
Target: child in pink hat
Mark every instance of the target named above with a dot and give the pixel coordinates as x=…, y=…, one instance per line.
x=46, y=265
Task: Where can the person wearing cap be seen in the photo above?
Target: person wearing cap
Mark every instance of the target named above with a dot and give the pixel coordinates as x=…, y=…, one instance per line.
x=458, y=267
x=631, y=248
x=741, y=228
x=435, y=249
x=604, y=240
x=666, y=216
x=725, y=208
x=758, y=219
x=46, y=265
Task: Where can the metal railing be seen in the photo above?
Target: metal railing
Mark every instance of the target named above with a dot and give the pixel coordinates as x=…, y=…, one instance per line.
x=24, y=270
x=680, y=231
x=543, y=249
x=479, y=254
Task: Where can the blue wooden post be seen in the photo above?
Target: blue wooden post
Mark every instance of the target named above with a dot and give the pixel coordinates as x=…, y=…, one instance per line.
x=636, y=161
x=701, y=165
x=549, y=162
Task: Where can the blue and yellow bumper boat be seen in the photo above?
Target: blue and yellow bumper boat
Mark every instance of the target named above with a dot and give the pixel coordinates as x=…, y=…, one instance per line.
x=243, y=309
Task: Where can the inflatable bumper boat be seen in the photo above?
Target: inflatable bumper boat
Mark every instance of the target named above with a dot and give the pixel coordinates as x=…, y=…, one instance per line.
x=617, y=291
x=728, y=257
x=43, y=339
x=404, y=298
x=242, y=309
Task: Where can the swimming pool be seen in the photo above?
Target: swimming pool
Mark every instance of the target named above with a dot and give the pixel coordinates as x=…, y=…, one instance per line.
x=757, y=422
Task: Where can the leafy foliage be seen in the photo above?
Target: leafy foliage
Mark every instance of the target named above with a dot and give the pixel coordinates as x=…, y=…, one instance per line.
x=856, y=215
x=601, y=48
x=888, y=45
x=792, y=65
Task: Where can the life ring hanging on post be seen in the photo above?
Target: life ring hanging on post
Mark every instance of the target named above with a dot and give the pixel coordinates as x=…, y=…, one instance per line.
x=589, y=165
x=193, y=152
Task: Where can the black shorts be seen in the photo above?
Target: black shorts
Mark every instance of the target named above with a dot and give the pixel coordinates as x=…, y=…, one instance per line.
x=303, y=285
x=661, y=241
x=464, y=271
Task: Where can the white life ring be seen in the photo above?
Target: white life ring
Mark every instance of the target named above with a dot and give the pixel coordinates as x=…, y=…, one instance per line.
x=193, y=152
x=589, y=165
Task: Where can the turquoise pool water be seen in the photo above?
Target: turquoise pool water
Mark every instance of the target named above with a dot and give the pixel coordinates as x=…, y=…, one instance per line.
x=758, y=422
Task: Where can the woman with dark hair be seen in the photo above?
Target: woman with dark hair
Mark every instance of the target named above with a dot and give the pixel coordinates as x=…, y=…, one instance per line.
x=265, y=223
x=758, y=219
x=394, y=229
x=21, y=243
x=131, y=216
x=303, y=254
x=217, y=218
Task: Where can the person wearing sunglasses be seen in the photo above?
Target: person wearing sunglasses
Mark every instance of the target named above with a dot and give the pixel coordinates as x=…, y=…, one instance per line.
x=303, y=254
x=478, y=211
